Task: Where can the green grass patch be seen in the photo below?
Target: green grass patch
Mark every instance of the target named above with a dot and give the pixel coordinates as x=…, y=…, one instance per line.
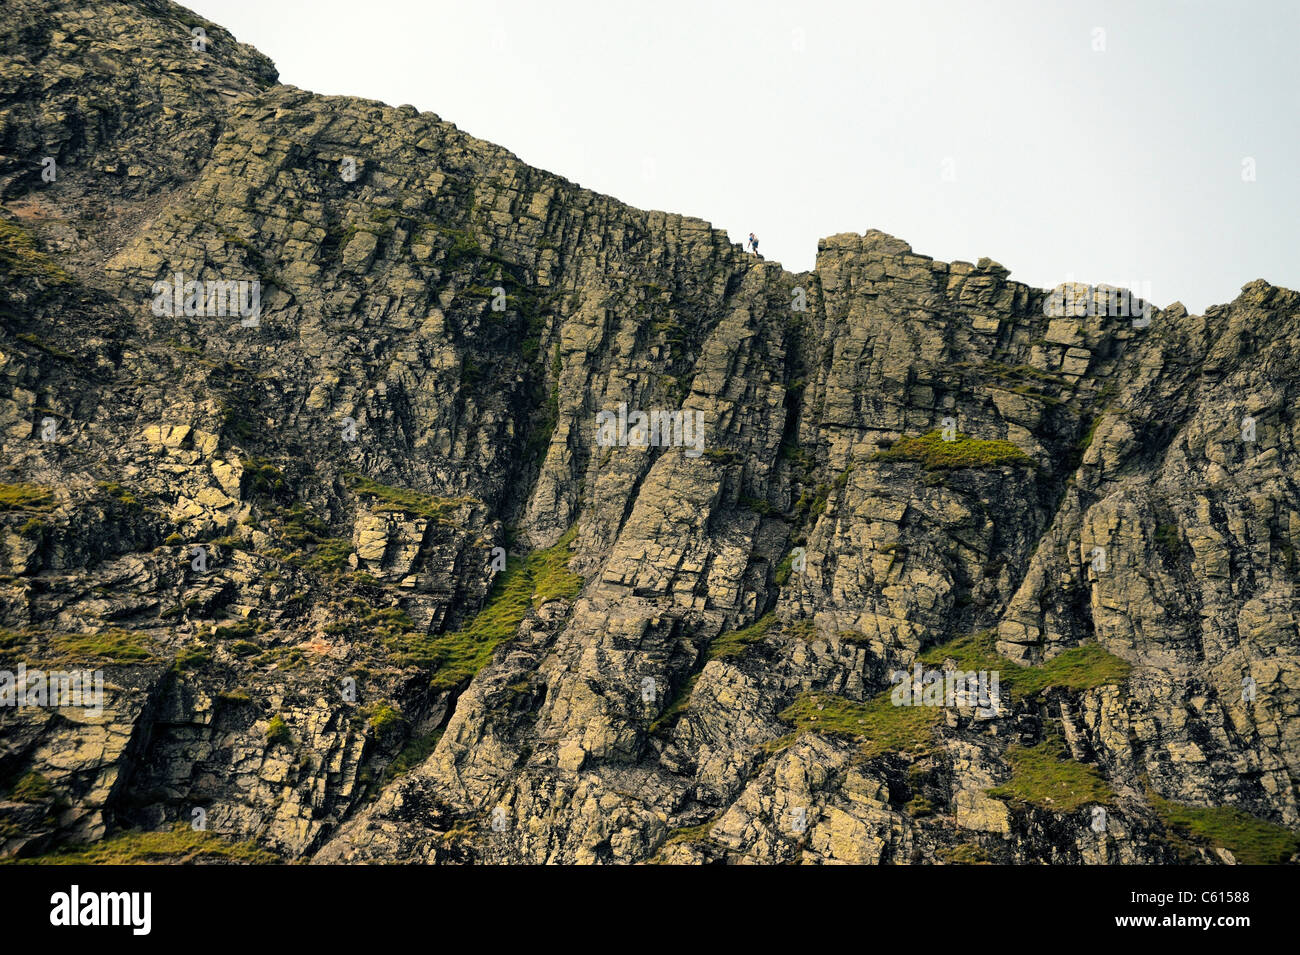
x=462, y=245
x=118, y=646
x=239, y=630
x=192, y=657
x=797, y=456
x=812, y=502
x=1251, y=840
x=25, y=497
x=879, y=724
x=261, y=477
x=1046, y=776
x=733, y=643
x=33, y=528
x=180, y=844
x=383, y=623
x=525, y=583
x=803, y=629
x=384, y=716
x=964, y=854
x=919, y=807
x=413, y=754
x=1085, y=441
x=676, y=708
x=32, y=788
x=330, y=556
x=936, y=454
x=20, y=257
x=277, y=731
x=405, y=501
x=317, y=552
x=1079, y=668
x=549, y=571
x=785, y=569
x=687, y=834
x=1169, y=541
x=12, y=641
x=119, y=493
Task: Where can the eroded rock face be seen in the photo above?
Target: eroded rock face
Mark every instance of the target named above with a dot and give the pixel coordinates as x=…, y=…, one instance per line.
x=282, y=533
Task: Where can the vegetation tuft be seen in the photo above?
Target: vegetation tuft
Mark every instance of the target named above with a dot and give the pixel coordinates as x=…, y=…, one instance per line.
x=879, y=724
x=1251, y=840
x=1079, y=668
x=1046, y=776
x=936, y=454
x=19, y=256
x=525, y=583
x=25, y=497
x=733, y=643
x=277, y=731
x=180, y=844
x=405, y=501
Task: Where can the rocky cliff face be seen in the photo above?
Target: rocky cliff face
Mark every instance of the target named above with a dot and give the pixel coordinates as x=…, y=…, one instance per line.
x=366, y=582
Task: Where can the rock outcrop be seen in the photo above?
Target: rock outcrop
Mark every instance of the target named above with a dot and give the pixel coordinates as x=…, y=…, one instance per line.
x=305, y=404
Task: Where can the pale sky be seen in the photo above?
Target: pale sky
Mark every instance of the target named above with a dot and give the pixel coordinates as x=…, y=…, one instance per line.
x=1093, y=141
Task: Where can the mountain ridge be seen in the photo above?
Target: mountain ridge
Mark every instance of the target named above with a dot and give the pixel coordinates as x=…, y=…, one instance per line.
x=921, y=460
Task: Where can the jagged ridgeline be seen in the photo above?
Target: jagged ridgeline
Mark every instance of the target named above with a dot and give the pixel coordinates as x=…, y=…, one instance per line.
x=892, y=561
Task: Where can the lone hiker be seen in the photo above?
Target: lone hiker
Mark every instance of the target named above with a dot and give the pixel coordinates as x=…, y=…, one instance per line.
x=753, y=244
